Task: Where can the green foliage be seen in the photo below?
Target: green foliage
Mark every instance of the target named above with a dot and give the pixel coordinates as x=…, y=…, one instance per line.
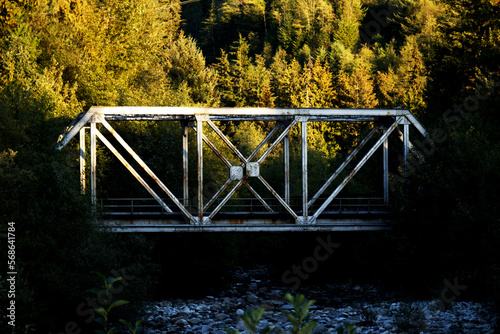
x=300, y=321
x=349, y=15
x=38, y=186
x=104, y=297
x=185, y=65
x=302, y=26
x=251, y=319
x=347, y=328
x=135, y=328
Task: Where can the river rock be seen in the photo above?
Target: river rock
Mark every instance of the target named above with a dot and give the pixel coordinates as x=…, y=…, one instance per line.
x=221, y=310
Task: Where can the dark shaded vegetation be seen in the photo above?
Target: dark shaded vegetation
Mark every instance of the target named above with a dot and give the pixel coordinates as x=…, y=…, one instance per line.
x=438, y=59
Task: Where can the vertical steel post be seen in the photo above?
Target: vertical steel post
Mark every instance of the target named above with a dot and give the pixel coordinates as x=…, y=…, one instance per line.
x=286, y=162
x=385, y=150
x=406, y=143
x=199, y=145
x=82, y=160
x=93, y=162
x=185, y=165
x=304, y=169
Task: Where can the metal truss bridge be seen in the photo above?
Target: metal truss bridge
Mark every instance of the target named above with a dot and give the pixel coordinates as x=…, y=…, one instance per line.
x=223, y=211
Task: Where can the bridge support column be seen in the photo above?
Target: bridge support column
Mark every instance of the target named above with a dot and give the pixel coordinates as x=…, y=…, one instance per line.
x=199, y=144
x=406, y=143
x=304, y=169
x=185, y=165
x=286, y=162
x=93, y=162
x=385, y=150
x=82, y=160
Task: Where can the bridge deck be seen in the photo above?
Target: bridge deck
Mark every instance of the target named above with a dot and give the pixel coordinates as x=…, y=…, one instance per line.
x=145, y=215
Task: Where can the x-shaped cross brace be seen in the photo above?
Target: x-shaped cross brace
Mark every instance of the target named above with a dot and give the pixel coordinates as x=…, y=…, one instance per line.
x=236, y=172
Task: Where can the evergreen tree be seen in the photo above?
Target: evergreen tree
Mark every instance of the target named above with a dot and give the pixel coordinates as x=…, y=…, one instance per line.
x=185, y=65
x=347, y=23
x=404, y=84
x=302, y=25
x=316, y=86
x=285, y=79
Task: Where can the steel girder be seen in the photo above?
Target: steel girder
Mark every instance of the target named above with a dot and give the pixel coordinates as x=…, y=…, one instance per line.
x=249, y=167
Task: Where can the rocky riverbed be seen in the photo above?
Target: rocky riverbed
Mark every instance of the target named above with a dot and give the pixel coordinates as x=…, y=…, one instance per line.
x=372, y=311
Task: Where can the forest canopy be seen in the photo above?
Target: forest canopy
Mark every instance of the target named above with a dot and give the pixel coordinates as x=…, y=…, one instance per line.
x=437, y=58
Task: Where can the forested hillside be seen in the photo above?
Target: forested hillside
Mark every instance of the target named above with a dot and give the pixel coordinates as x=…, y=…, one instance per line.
x=438, y=58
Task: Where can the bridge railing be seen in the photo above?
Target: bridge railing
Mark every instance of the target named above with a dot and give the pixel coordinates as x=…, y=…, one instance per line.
x=244, y=206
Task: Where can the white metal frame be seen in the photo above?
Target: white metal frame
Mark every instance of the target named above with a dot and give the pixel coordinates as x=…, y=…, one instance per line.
x=249, y=166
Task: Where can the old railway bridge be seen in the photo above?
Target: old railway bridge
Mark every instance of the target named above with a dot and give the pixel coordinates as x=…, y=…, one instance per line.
x=165, y=211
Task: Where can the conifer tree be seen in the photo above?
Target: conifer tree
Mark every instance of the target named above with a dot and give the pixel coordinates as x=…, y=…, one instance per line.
x=185, y=65
x=404, y=83
x=285, y=79
x=303, y=22
x=347, y=23
x=316, y=86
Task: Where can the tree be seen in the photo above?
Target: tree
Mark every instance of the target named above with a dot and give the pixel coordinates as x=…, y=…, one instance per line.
x=302, y=23
x=244, y=81
x=469, y=49
x=285, y=78
x=229, y=19
x=316, y=86
x=77, y=35
x=404, y=84
x=347, y=23
x=185, y=65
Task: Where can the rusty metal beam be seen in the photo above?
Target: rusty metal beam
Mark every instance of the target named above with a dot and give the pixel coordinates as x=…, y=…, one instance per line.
x=199, y=146
x=261, y=200
x=185, y=164
x=216, y=151
x=413, y=120
x=74, y=127
x=406, y=145
x=355, y=170
x=411, y=148
x=286, y=166
x=263, y=142
x=146, y=168
x=217, y=194
x=385, y=150
x=327, y=113
x=93, y=163
x=277, y=141
x=278, y=197
x=228, y=196
x=132, y=171
x=239, y=118
x=342, y=166
x=304, y=169
x=227, y=141
x=82, y=160
x=249, y=225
